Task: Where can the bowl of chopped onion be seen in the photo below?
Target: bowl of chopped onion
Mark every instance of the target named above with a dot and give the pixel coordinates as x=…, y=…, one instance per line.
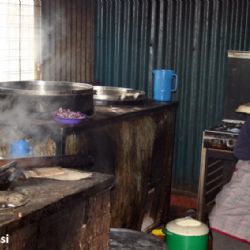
x=67, y=116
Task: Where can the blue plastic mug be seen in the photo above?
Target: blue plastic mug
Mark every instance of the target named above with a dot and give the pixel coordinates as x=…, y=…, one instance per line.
x=19, y=148
x=165, y=82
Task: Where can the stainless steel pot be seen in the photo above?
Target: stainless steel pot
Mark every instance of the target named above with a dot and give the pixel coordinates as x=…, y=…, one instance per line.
x=106, y=94
x=46, y=96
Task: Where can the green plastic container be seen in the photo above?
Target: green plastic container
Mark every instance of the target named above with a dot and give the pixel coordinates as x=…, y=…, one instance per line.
x=186, y=234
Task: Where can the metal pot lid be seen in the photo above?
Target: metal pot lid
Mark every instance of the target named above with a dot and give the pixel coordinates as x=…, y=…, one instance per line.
x=45, y=88
x=117, y=94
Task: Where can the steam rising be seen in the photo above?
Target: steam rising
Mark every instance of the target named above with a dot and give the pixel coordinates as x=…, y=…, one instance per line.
x=20, y=121
x=15, y=117
x=54, y=50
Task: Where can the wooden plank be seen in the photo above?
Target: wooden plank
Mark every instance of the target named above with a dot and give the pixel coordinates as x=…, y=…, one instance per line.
x=46, y=40
x=79, y=4
x=73, y=41
x=90, y=40
x=83, y=41
x=68, y=40
x=38, y=44
x=52, y=33
x=63, y=47
x=57, y=39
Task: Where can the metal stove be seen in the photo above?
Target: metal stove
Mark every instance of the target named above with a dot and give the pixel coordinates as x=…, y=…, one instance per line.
x=223, y=136
x=217, y=158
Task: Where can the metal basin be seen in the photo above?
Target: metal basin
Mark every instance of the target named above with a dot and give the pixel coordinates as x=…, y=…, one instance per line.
x=107, y=95
x=46, y=96
x=12, y=199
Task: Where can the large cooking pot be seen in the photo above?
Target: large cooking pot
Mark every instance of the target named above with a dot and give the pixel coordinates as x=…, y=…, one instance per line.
x=46, y=96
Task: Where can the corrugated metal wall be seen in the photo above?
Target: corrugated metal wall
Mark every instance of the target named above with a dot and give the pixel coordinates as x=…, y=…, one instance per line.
x=123, y=40
x=68, y=33
x=192, y=37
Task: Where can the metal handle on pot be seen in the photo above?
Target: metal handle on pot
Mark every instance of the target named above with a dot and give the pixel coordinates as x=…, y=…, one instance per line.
x=133, y=96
